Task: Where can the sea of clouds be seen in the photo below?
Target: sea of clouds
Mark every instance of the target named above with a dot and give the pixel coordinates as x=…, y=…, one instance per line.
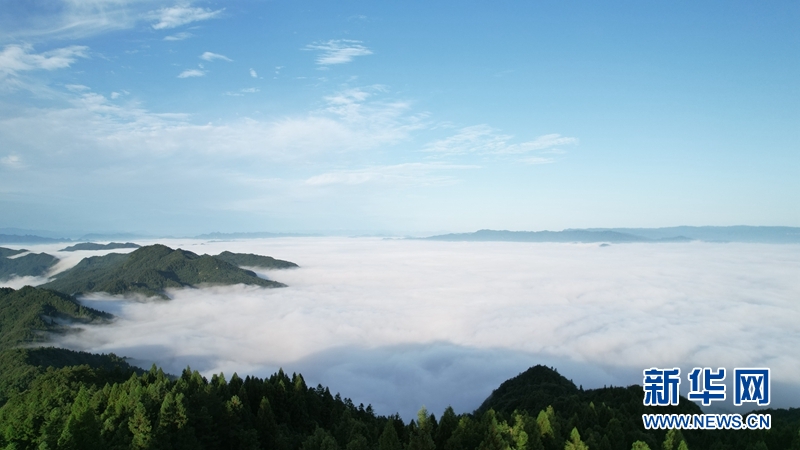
x=404, y=323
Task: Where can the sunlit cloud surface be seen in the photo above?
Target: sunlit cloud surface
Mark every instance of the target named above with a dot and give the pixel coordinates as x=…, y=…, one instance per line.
x=438, y=323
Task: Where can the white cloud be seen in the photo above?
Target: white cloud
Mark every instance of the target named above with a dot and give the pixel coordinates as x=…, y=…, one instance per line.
x=208, y=56
x=253, y=73
x=115, y=95
x=181, y=15
x=74, y=19
x=18, y=58
x=534, y=160
x=12, y=161
x=77, y=87
x=241, y=92
x=410, y=174
x=483, y=139
x=189, y=73
x=98, y=129
x=364, y=309
x=178, y=36
x=548, y=141
x=338, y=51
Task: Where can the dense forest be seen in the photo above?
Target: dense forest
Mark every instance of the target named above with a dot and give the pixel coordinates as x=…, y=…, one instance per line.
x=52, y=398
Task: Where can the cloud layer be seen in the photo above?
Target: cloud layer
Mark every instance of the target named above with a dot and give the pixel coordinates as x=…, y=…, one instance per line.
x=420, y=322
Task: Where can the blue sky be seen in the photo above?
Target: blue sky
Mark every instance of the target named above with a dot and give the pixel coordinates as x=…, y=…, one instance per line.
x=409, y=117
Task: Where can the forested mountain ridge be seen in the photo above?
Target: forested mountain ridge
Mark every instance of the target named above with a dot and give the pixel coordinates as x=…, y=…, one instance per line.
x=32, y=264
x=95, y=246
x=251, y=260
x=150, y=271
x=27, y=315
x=31, y=316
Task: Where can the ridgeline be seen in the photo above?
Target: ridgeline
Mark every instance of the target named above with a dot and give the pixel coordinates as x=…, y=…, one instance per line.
x=30, y=265
x=150, y=271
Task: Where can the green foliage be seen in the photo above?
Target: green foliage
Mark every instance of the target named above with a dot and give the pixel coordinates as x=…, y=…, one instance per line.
x=575, y=442
x=389, y=439
x=150, y=271
x=29, y=314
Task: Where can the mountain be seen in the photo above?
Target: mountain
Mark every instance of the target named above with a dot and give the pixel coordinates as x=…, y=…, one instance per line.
x=7, y=252
x=28, y=239
x=552, y=236
x=770, y=235
x=32, y=264
x=251, y=260
x=29, y=314
x=741, y=233
x=150, y=271
x=94, y=246
x=542, y=386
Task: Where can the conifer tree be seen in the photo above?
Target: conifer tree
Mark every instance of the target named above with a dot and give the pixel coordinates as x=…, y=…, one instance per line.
x=389, y=439
x=139, y=425
x=82, y=430
x=575, y=442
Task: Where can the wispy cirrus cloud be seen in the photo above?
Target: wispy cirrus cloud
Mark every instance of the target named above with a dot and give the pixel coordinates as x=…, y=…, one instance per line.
x=16, y=58
x=176, y=16
x=191, y=73
x=72, y=19
x=208, y=56
x=416, y=174
x=485, y=140
x=338, y=51
x=178, y=36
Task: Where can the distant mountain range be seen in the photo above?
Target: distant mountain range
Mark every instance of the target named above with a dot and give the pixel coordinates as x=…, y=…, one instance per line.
x=28, y=239
x=771, y=235
x=740, y=233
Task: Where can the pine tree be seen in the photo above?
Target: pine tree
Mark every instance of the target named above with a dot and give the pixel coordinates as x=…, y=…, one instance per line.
x=389, y=439
x=139, y=425
x=421, y=438
x=575, y=442
x=82, y=430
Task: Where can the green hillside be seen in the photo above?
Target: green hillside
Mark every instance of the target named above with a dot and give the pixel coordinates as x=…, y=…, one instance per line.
x=32, y=264
x=150, y=271
x=94, y=246
x=6, y=252
x=29, y=314
x=251, y=260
